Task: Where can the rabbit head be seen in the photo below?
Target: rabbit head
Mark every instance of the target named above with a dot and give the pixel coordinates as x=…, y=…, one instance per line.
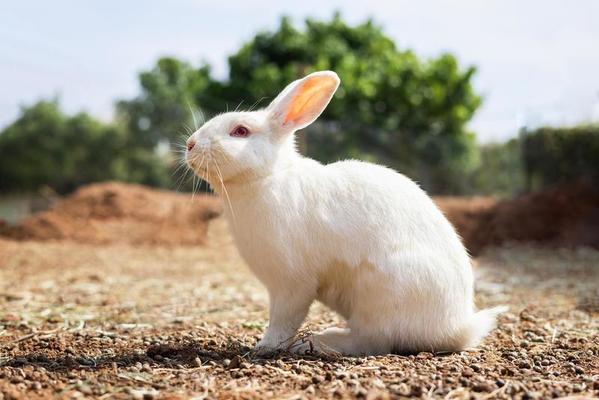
x=242, y=146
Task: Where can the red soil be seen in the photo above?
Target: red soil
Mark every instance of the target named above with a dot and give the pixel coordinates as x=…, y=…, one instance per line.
x=133, y=214
x=564, y=216
x=121, y=213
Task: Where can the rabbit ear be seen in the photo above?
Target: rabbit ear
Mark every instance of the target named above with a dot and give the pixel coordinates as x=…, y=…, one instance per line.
x=302, y=101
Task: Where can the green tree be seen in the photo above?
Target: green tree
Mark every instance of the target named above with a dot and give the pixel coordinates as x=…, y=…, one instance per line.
x=46, y=147
x=392, y=107
x=168, y=93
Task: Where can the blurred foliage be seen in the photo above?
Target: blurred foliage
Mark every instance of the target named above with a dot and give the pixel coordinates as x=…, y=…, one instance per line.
x=169, y=94
x=391, y=107
x=498, y=170
x=46, y=147
x=557, y=155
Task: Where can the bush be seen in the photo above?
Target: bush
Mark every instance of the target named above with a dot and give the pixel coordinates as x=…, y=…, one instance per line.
x=499, y=170
x=557, y=155
x=46, y=147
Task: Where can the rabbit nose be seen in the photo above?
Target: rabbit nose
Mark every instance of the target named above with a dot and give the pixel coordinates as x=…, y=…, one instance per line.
x=190, y=144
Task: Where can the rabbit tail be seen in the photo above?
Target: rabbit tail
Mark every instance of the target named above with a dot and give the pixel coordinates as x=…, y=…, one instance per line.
x=481, y=323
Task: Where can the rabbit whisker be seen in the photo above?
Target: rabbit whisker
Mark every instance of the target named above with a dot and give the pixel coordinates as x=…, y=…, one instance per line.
x=193, y=116
x=257, y=102
x=238, y=105
x=181, y=180
x=193, y=187
x=187, y=129
x=202, y=117
x=220, y=176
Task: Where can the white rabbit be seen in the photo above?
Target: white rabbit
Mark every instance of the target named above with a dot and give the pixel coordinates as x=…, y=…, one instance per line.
x=363, y=239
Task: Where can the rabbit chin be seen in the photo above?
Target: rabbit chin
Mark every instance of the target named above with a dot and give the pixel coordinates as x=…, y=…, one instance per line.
x=218, y=177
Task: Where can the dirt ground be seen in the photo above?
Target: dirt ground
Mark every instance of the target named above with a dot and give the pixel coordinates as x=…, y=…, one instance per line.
x=115, y=212
x=80, y=320
x=565, y=216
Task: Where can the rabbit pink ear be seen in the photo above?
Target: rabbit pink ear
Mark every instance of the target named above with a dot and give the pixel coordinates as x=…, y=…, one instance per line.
x=303, y=101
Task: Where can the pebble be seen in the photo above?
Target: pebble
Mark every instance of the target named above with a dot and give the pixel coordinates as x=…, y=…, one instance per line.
x=237, y=374
x=483, y=387
x=85, y=389
x=235, y=362
x=146, y=368
x=524, y=364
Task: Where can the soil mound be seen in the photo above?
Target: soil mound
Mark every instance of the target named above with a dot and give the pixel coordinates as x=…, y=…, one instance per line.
x=133, y=214
x=121, y=213
x=563, y=216
x=465, y=213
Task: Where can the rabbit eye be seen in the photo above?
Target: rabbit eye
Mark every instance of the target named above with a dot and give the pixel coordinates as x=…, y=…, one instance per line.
x=240, y=131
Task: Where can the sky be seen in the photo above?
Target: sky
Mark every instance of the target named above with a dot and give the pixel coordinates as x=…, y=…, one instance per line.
x=537, y=60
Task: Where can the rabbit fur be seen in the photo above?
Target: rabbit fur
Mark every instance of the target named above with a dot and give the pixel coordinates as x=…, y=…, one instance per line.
x=361, y=238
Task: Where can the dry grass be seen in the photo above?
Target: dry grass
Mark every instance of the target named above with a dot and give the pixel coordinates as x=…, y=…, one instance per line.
x=118, y=321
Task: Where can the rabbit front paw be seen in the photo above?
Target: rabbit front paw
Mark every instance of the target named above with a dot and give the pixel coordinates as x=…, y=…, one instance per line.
x=264, y=351
x=271, y=344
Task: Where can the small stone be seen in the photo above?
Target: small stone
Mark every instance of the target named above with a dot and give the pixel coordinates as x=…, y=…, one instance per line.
x=149, y=396
x=197, y=362
x=235, y=362
x=524, y=364
x=577, y=387
x=530, y=395
x=416, y=391
x=467, y=372
x=237, y=374
x=483, y=387
x=341, y=375
x=85, y=389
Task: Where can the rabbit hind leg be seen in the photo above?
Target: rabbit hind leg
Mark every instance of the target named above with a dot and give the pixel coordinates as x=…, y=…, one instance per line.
x=338, y=341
